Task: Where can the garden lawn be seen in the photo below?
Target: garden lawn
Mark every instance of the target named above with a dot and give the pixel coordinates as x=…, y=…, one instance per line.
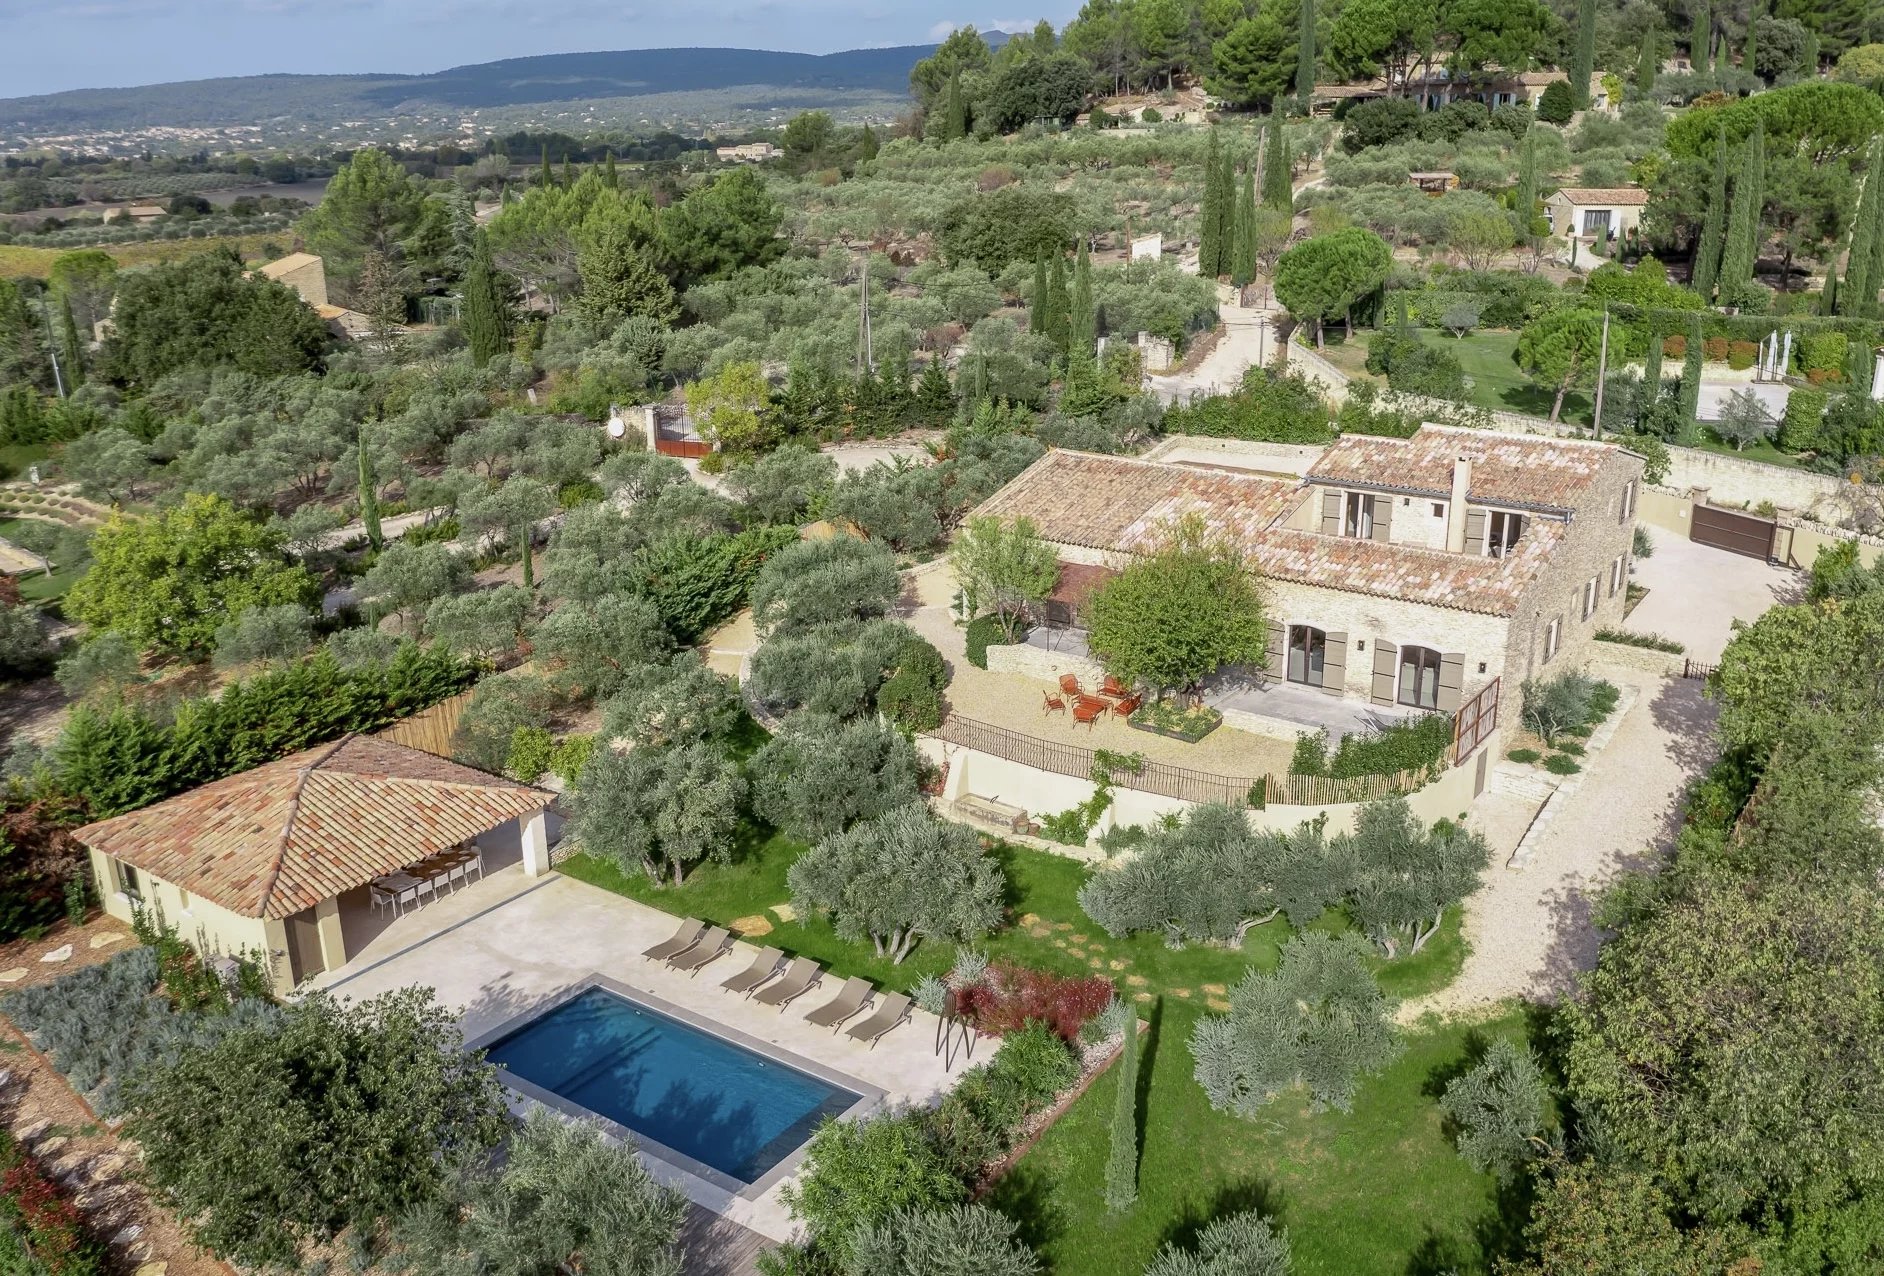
x=1378, y=1191
x=37, y=587
x=1497, y=382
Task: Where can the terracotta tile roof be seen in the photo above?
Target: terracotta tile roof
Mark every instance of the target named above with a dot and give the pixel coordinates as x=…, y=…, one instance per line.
x=1507, y=469
x=287, y=835
x=1082, y=498
x=1118, y=505
x=287, y=265
x=1595, y=196
x=1077, y=581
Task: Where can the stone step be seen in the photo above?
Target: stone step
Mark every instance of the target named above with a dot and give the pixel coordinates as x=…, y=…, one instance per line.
x=1514, y=780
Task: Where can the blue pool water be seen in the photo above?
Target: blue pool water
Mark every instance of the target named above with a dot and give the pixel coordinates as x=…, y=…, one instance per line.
x=702, y=1096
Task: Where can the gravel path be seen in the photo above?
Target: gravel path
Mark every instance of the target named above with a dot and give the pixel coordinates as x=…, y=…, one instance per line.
x=1530, y=929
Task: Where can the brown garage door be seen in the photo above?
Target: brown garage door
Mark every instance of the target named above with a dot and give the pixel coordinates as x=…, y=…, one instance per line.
x=1732, y=530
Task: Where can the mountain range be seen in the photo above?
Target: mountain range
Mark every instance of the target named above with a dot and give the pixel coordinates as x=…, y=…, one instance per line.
x=510, y=83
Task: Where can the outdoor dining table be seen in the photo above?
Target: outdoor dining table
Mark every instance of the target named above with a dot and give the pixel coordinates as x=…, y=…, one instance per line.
x=1088, y=708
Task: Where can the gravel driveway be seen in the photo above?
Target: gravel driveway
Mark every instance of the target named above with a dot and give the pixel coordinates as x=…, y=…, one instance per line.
x=1530, y=930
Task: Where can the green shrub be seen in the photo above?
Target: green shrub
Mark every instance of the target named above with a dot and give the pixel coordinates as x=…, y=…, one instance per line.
x=859, y=1173
x=912, y=697
x=1823, y=351
x=1497, y=1110
x=1524, y=755
x=1805, y=412
x=1641, y=545
x=1571, y=747
x=570, y=756
x=530, y=751
x=1561, y=764
x=985, y=632
x=1653, y=642
x=1311, y=753
x=1569, y=704
x=1410, y=745
x=1264, y=407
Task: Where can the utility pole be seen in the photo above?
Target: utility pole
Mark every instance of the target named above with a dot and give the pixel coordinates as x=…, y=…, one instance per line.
x=52, y=348
x=1602, y=370
x=866, y=351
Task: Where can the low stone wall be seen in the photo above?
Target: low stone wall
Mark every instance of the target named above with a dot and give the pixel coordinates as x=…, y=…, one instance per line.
x=1043, y=666
x=1730, y=480
x=1666, y=663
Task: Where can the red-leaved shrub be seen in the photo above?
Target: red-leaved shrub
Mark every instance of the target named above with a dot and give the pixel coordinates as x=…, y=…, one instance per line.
x=53, y=1226
x=1008, y=997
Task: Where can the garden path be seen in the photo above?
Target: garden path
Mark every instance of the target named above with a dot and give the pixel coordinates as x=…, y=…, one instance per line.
x=1531, y=931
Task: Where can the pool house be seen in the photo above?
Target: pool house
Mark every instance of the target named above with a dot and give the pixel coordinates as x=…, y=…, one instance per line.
x=309, y=858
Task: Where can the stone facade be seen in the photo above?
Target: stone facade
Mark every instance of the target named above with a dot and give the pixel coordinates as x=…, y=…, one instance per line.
x=1597, y=550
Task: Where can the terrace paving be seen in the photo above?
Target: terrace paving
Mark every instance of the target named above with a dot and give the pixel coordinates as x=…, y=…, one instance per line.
x=507, y=946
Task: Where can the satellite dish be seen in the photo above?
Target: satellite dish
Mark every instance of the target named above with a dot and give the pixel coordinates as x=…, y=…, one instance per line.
x=617, y=427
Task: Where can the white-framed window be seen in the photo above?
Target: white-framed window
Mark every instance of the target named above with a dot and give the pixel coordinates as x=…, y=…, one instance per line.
x=1589, y=598
x=1553, y=637
x=1308, y=646
x=1502, y=531
x=1357, y=516
x=128, y=881
x=1419, y=677
x=1615, y=575
x=1595, y=220
x=1628, y=502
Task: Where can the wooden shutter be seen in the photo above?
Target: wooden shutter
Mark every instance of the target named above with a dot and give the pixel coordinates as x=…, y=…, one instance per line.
x=1383, y=517
x=1331, y=513
x=1386, y=657
x=1334, y=664
x=1475, y=532
x=1275, y=666
x=1451, y=681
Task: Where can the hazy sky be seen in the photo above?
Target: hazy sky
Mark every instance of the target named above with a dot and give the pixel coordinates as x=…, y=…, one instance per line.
x=71, y=44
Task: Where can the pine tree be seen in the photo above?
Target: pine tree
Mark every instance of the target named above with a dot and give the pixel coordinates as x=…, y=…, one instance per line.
x=608, y=171
x=1700, y=35
x=74, y=348
x=1691, y=382
x=1083, y=325
x=1243, y=259
x=1210, y=232
x=1305, y=57
x=1584, y=64
x=1278, y=189
x=1524, y=208
x=1060, y=323
x=1040, y=307
x=484, y=314
x=935, y=398
x=1743, y=235
x=1706, y=269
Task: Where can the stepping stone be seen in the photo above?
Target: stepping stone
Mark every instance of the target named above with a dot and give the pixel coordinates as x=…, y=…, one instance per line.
x=1040, y=932
x=128, y=1234
x=1059, y=943
x=50, y=1146
x=750, y=926
x=1141, y=996
x=1216, y=990
x=1116, y=964
x=1217, y=1003
x=62, y=953
x=1098, y=963
x=1063, y=925
x=153, y=1269
x=13, y=976
x=1030, y=919
x=1181, y=992
x=30, y=1133
x=107, y=939
x=1081, y=939
x=783, y=912
x=1137, y=981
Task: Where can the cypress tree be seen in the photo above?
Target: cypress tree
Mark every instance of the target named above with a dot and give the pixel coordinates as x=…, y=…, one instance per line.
x=608, y=171
x=1083, y=323
x=1226, y=240
x=1210, y=233
x=1305, y=57
x=1753, y=40
x=369, y=493
x=955, y=122
x=1875, y=279
x=1706, y=269
x=1828, y=296
x=1859, y=293
x=484, y=313
x=1278, y=190
x=1525, y=204
x=1743, y=236
x=1243, y=259
x=1809, y=60
x=543, y=178
x=1584, y=65
x=1648, y=65
x=1041, y=310
x=567, y=181
x=1652, y=365
x=1691, y=382
x=1122, y=1165
x=74, y=348
x=1061, y=318
x=1700, y=35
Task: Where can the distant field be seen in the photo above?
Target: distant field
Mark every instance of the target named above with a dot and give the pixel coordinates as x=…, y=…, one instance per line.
x=17, y=262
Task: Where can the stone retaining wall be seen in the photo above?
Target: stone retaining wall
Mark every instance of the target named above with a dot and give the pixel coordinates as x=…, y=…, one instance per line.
x=1043, y=666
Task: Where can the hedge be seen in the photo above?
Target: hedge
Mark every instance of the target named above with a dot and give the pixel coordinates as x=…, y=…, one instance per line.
x=130, y=756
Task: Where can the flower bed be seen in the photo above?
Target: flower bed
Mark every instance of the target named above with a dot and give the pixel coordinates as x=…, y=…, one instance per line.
x=41, y=1230
x=1006, y=998
x=1162, y=717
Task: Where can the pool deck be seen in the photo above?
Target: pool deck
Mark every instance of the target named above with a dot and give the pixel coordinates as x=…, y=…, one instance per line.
x=509, y=945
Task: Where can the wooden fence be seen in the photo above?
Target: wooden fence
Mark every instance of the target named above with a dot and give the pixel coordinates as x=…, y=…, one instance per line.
x=1176, y=781
x=1475, y=721
x=1698, y=670
x=430, y=730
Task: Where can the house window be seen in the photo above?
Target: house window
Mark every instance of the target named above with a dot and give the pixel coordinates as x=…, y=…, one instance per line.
x=1615, y=576
x=1553, y=637
x=1357, y=518
x=1419, y=677
x=1308, y=647
x=1628, y=501
x=1589, y=598
x=1595, y=221
x=1439, y=511
x=128, y=882
x=1502, y=533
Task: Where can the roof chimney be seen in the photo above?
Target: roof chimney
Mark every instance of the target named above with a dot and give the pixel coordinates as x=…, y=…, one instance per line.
x=1455, y=509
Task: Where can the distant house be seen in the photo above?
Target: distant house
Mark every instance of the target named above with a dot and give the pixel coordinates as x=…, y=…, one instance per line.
x=139, y=213
x=1585, y=212
x=1436, y=87
x=1437, y=182
x=747, y=153
x=303, y=272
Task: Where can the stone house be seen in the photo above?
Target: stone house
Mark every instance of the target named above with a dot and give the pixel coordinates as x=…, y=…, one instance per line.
x=1404, y=572
x=303, y=272
x=1584, y=212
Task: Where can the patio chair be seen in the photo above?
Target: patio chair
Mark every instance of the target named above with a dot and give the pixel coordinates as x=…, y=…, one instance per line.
x=683, y=939
x=1113, y=688
x=1086, y=709
x=799, y=977
x=1069, y=684
x=1054, y=704
x=406, y=895
x=383, y=898
x=893, y=1011
x=704, y=953
x=763, y=967
x=849, y=1000
x=1127, y=707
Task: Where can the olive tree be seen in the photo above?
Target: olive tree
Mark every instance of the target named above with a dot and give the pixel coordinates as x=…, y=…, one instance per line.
x=940, y=1242
x=681, y=702
x=593, y=646
x=1317, y=1022
x=783, y=486
x=1237, y=1245
x=1407, y=875
x=1004, y=565
x=404, y=580
x=900, y=877
x=659, y=808
x=484, y=623
x=818, y=776
x=835, y=669
x=816, y=582
x=264, y=635
x=1497, y=1109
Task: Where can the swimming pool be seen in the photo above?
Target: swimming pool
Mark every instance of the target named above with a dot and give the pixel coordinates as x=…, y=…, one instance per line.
x=736, y=1110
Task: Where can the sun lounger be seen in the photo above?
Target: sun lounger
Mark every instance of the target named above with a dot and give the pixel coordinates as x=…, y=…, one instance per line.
x=684, y=938
x=893, y=1010
x=763, y=967
x=711, y=945
x=849, y=1000
x=799, y=977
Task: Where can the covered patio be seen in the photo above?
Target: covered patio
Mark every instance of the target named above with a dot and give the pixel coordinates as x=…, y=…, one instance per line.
x=309, y=859
x=1259, y=703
